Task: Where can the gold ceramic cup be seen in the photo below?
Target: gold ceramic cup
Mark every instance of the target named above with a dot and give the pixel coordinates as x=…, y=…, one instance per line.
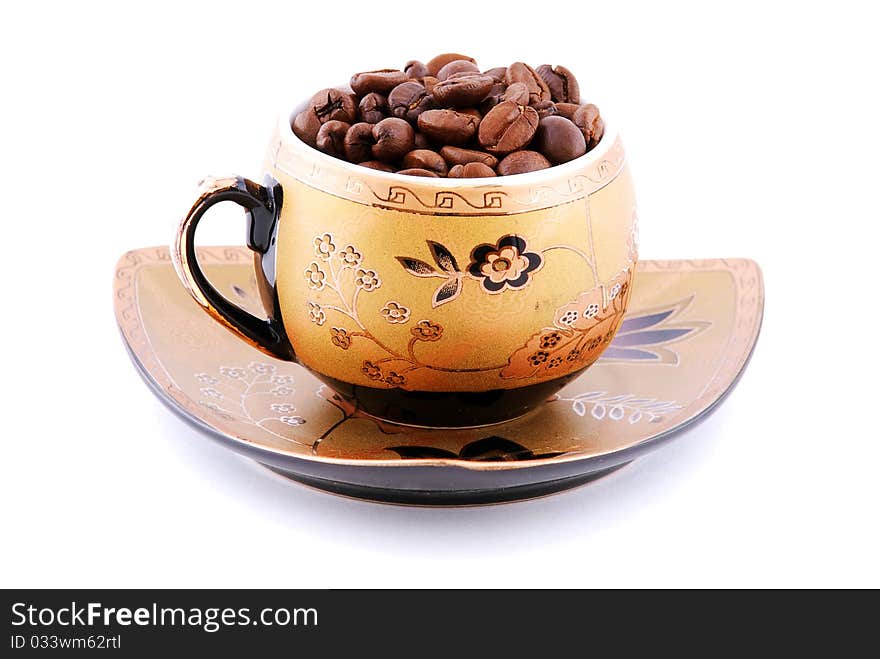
x=429, y=301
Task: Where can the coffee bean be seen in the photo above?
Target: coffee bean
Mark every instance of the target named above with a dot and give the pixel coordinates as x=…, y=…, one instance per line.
x=425, y=159
x=471, y=170
x=454, y=155
x=408, y=100
x=448, y=126
x=415, y=69
x=497, y=74
x=359, y=143
x=507, y=127
x=306, y=126
x=559, y=140
x=394, y=138
x=331, y=138
x=376, y=164
x=462, y=91
x=457, y=66
x=416, y=171
x=327, y=105
x=521, y=72
x=567, y=110
x=545, y=109
x=495, y=96
x=474, y=112
x=435, y=64
x=373, y=108
x=561, y=82
x=381, y=82
x=429, y=82
x=518, y=92
x=520, y=162
x=587, y=118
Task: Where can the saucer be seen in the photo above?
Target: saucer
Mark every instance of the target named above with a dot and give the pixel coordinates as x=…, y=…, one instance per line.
x=686, y=339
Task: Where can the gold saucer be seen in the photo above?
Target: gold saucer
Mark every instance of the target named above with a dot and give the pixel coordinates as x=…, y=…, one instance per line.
x=688, y=334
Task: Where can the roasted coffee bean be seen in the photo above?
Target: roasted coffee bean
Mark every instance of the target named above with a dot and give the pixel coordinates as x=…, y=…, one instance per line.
x=376, y=164
x=518, y=92
x=381, y=82
x=507, y=127
x=331, y=138
x=408, y=100
x=471, y=170
x=415, y=69
x=521, y=72
x=306, y=126
x=495, y=96
x=359, y=143
x=327, y=105
x=462, y=91
x=456, y=66
x=429, y=82
x=520, y=162
x=474, y=112
x=435, y=64
x=559, y=140
x=561, y=82
x=497, y=74
x=454, y=155
x=373, y=108
x=416, y=171
x=394, y=138
x=448, y=126
x=567, y=110
x=425, y=159
x=545, y=109
x=587, y=118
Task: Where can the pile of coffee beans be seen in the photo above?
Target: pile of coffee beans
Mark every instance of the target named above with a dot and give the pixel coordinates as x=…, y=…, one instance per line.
x=447, y=118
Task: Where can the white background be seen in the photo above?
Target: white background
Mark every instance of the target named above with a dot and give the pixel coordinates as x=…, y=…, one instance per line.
x=752, y=131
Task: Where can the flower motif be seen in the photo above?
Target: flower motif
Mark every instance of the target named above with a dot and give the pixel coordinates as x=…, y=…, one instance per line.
x=234, y=373
x=316, y=313
x=292, y=420
x=581, y=313
x=340, y=338
x=261, y=368
x=206, y=379
x=614, y=292
x=395, y=379
x=569, y=317
x=324, y=246
x=425, y=330
x=281, y=391
x=282, y=408
x=282, y=379
x=315, y=276
x=371, y=370
x=538, y=358
x=550, y=340
x=367, y=279
x=210, y=392
x=395, y=313
x=350, y=257
x=506, y=264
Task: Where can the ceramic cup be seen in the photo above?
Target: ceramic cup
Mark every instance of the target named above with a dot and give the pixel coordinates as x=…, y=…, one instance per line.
x=429, y=301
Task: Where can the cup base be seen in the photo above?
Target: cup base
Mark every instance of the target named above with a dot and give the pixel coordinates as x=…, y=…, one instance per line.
x=447, y=409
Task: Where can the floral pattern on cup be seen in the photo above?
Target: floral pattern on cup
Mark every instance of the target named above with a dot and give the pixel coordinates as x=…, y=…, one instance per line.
x=315, y=276
x=395, y=313
x=324, y=246
x=582, y=329
x=316, y=313
x=506, y=264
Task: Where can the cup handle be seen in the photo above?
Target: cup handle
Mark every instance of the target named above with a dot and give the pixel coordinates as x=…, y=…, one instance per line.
x=262, y=205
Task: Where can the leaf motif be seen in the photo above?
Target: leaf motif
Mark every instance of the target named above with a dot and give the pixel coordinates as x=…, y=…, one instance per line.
x=579, y=408
x=443, y=257
x=616, y=413
x=590, y=395
x=416, y=267
x=448, y=291
x=635, y=417
x=598, y=411
x=422, y=452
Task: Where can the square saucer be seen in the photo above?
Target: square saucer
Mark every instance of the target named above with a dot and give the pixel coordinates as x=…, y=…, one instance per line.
x=686, y=339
